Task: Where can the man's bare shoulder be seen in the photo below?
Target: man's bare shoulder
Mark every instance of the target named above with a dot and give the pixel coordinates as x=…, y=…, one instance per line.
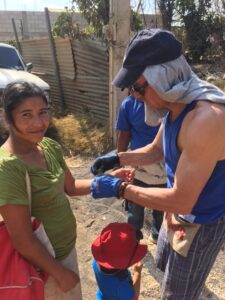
x=204, y=127
x=205, y=110
x=209, y=108
x=206, y=114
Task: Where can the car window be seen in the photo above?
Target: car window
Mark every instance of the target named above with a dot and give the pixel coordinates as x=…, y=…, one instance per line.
x=10, y=59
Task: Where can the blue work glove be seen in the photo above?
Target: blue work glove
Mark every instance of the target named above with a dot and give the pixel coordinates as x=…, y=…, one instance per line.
x=105, y=163
x=105, y=187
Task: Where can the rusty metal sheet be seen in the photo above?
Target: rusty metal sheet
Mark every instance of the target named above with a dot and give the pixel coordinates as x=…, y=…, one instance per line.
x=84, y=69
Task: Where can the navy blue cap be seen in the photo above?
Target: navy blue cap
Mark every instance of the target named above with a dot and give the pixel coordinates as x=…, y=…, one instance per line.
x=148, y=47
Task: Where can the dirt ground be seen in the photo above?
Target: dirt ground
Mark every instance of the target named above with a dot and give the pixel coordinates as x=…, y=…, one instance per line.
x=93, y=215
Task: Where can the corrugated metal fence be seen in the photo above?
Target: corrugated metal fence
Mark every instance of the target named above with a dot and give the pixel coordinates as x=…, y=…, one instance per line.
x=84, y=70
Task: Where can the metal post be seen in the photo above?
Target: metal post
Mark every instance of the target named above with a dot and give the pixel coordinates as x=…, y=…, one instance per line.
x=156, y=18
x=55, y=61
x=16, y=36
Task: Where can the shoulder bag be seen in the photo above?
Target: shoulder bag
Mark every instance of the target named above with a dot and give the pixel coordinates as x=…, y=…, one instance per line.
x=18, y=278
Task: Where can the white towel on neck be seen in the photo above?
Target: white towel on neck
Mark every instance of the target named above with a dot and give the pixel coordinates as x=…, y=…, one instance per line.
x=174, y=81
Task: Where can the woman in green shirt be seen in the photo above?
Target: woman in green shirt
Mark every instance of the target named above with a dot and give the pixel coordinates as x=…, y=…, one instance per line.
x=27, y=150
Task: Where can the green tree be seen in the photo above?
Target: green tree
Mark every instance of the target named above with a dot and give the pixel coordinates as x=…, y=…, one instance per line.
x=167, y=10
x=194, y=15
x=96, y=12
x=220, y=21
x=65, y=25
x=136, y=22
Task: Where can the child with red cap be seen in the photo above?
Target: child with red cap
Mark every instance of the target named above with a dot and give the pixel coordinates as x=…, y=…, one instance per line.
x=114, y=251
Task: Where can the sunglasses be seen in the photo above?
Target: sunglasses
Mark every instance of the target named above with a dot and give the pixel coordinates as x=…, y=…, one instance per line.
x=139, y=89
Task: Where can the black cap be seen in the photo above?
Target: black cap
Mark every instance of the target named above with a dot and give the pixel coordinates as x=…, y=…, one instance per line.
x=148, y=47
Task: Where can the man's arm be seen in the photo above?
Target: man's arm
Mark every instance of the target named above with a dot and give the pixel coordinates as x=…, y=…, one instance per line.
x=147, y=155
x=202, y=142
x=123, y=139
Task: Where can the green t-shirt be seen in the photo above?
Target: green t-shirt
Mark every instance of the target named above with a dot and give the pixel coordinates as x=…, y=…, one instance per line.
x=49, y=201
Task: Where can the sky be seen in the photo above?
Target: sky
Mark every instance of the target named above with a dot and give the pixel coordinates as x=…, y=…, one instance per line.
x=33, y=5
x=39, y=5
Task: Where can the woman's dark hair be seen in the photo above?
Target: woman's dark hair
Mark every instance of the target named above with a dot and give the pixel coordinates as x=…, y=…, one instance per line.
x=16, y=92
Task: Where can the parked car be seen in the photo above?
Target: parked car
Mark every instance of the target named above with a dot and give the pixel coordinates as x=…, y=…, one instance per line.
x=13, y=68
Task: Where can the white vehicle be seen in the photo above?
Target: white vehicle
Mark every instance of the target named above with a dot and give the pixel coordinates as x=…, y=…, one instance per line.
x=13, y=68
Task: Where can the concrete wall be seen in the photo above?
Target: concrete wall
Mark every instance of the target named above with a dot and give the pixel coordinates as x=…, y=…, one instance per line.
x=32, y=25
x=29, y=24
x=152, y=21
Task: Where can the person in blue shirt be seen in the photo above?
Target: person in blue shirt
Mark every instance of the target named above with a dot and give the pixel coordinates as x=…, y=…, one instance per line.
x=114, y=251
x=134, y=133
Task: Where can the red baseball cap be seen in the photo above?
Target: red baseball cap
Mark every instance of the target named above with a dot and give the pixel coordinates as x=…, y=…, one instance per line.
x=117, y=247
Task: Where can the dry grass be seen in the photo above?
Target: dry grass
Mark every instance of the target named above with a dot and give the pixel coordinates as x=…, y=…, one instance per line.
x=220, y=83
x=80, y=135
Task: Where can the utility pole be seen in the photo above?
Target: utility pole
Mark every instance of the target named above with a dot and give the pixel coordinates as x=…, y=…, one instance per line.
x=118, y=34
x=156, y=21
x=55, y=61
x=16, y=36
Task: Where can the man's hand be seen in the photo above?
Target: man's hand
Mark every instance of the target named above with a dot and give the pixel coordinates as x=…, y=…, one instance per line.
x=125, y=174
x=105, y=187
x=105, y=163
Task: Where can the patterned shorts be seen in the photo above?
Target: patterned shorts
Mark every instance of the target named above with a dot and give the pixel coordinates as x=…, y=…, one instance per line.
x=184, y=277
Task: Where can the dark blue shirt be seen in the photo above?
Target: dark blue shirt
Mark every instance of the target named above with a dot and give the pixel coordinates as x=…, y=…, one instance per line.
x=210, y=205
